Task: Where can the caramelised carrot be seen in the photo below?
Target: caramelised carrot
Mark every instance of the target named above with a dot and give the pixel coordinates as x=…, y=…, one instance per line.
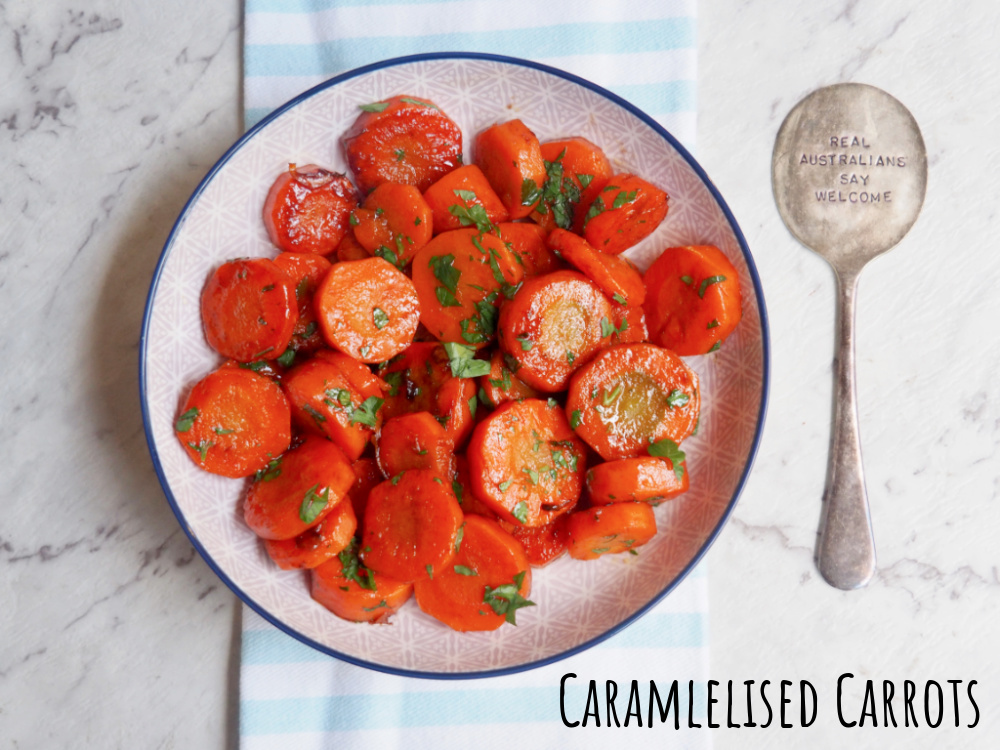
x=404, y=139
x=298, y=490
x=351, y=591
x=415, y=441
x=644, y=479
x=306, y=272
x=464, y=198
x=421, y=379
x=629, y=323
x=337, y=396
x=626, y=211
x=367, y=309
x=500, y=384
x=248, y=309
x=576, y=172
x=485, y=584
x=525, y=462
x=555, y=323
x=462, y=486
x=317, y=544
x=366, y=476
x=631, y=396
x=527, y=242
x=411, y=525
x=393, y=223
x=615, y=276
x=350, y=249
x=693, y=300
x=307, y=209
x=542, y=544
x=609, y=529
x=234, y=421
x=511, y=158
x=461, y=276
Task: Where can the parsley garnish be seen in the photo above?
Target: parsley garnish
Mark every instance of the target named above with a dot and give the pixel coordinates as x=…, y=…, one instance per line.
x=352, y=220
x=399, y=154
x=202, y=448
x=574, y=419
x=532, y=475
x=186, y=420
x=269, y=472
x=374, y=107
x=608, y=328
x=445, y=272
x=418, y=102
x=313, y=504
x=380, y=318
x=353, y=570
x=287, y=357
x=677, y=398
x=302, y=288
x=668, y=449
x=461, y=360
x=530, y=192
x=366, y=413
x=712, y=324
x=521, y=511
x=706, y=283
x=506, y=599
x=526, y=343
x=464, y=571
x=623, y=198
x=619, y=299
x=715, y=347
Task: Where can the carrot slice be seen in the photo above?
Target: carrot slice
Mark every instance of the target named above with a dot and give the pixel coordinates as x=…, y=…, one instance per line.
x=631, y=396
x=542, y=544
x=500, y=384
x=403, y=139
x=461, y=277
x=234, y=421
x=367, y=309
x=315, y=545
x=352, y=592
x=511, y=158
x=394, y=223
x=462, y=486
x=556, y=323
x=415, y=441
x=307, y=209
x=464, y=198
x=645, y=479
x=248, y=309
x=694, y=299
x=527, y=242
x=337, y=396
x=629, y=323
x=350, y=249
x=525, y=463
x=485, y=584
x=306, y=272
x=420, y=379
x=298, y=490
x=615, y=276
x=627, y=210
x=410, y=527
x=366, y=476
x=609, y=529
x=576, y=171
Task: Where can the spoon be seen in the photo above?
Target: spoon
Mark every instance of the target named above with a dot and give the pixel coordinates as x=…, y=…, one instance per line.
x=849, y=172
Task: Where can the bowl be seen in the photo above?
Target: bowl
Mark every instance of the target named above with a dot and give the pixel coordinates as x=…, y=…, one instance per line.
x=578, y=603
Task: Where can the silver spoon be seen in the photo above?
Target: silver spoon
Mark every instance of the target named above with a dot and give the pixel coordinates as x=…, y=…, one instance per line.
x=849, y=173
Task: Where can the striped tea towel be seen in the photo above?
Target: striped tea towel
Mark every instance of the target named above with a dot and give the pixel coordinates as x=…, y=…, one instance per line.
x=293, y=696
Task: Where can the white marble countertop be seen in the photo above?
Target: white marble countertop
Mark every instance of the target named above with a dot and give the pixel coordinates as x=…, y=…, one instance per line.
x=113, y=633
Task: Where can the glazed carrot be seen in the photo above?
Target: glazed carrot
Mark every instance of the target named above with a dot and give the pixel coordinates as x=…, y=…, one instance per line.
x=554, y=324
x=645, y=479
x=415, y=441
x=337, y=396
x=525, y=463
x=527, y=242
x=411, y=525
x=631, y=396
x=694, y=301
x=350, y=249
x=248, y=309
x=576, y=172
x=500, y=384
x=462, y=486
x=306, y=272
x=394, y=223
x=629, y=323
x=511, y=158
x=485, y=584
x=615, y=276
x=307, y=209
x=464, y=198
x=234, y=421
x=609, y=529
x=352, y=592
x=461, y=276
x=315, y=545
x=403, y=139
x=420, y=379
x=366, y=476
x=367, y=309
x=626, y=211
x=298, y=489
x=542, y=544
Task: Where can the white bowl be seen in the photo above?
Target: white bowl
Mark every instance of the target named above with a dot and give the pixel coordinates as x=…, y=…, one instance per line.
x=578, y=603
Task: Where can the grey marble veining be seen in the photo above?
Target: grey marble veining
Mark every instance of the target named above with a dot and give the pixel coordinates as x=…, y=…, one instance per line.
x=114, y=633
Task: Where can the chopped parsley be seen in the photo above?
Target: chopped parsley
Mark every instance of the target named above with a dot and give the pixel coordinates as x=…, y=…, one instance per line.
x=668, y=449
x=374, y=107
x=462, y=361
x=313, y=504
x=380, y=318
x=506, y=599
x=677, y=398
x=186, y=420
x=444, y=270
x=706, y=283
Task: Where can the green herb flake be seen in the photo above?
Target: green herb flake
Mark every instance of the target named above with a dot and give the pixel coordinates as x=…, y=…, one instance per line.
x=669, y=450
x=715, y=347
x=417, y=221
x=473, y=405
x=223, y=431
x=464, y=571
x=712, y=324
x=380, y=318
x=367, y=412
x=624, y=198
x=521, y=511
x=380, y=605
x=458, y=537
x=400, y=154
x=570, y=357
x=504, y=485
x=287, y=357
x=186, y=420
x=302, y=288
x=687, y=280
x=462, y=361
x=456, y=487
x=395, y=479
x=574, y=419
x=310, y=329
x=430, y=571
x=363, y=351
x=585, y=180
x=530, y=192
x=608, y=328
x=270, y=472
x=260, y=354
x=506, y=599
x=202, y=448
x=353, y=220
x=532, y=475
x=677, y=398
x=706, y=283
x=443, y=267
x=317, y=417
x=313, y=504
x=418, y=102
x=619, y=299
x=374, y=107
x=352, y=569
x=526, y=343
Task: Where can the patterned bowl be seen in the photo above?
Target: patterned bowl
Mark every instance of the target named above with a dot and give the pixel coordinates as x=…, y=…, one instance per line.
x=578, y=603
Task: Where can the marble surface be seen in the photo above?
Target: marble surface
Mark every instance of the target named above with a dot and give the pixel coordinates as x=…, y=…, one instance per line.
x=113, y=633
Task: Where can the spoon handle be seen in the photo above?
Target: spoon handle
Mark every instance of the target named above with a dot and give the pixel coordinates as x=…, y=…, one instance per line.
x=845, y=553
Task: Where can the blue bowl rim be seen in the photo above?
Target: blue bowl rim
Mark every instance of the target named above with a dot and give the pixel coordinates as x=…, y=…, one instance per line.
x=392, y=62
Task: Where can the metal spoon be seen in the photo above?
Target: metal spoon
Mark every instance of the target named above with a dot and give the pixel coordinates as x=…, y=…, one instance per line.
x=849, y=173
